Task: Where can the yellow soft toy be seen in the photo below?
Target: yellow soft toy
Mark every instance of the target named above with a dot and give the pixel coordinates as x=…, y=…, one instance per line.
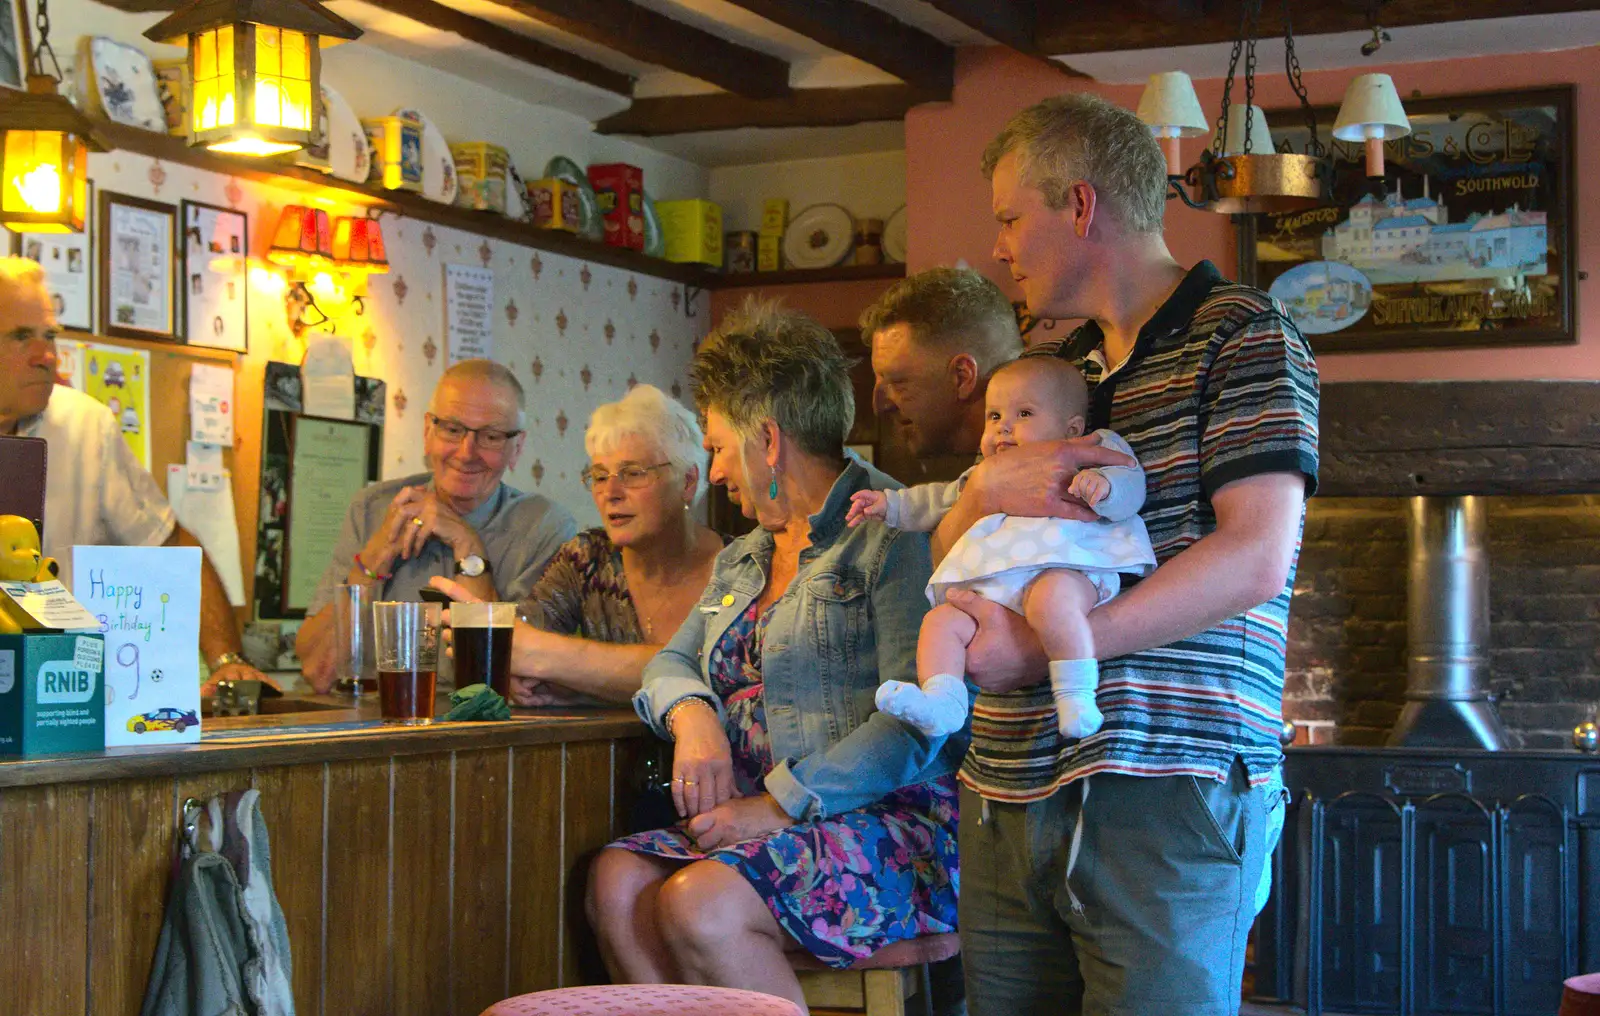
x=21, y=560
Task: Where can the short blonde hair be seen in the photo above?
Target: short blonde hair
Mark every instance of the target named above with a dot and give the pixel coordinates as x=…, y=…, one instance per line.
x=647, y=413
x=19, y=272
x=763, y=362
x=954, y=310
x=1079, y=136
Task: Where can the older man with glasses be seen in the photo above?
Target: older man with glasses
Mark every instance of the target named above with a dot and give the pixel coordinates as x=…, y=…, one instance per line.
x=459, y=521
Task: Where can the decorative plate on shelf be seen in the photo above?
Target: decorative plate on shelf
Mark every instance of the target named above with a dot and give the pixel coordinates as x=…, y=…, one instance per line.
x=894, y=236
x=517, y=196
x=349, y=158
x=819, y=236
x=590, y=225
x=122, y=84
x=438, y=163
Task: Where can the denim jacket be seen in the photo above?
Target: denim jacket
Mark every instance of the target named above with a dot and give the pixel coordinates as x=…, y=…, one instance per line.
x=847, y=622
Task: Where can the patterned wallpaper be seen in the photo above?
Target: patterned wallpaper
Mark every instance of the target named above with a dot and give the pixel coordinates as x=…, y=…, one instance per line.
x=576, y=334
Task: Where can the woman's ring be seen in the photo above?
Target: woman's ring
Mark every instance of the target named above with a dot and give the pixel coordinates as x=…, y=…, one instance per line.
x=416, y=520
x=677, y=779
x=688, y=783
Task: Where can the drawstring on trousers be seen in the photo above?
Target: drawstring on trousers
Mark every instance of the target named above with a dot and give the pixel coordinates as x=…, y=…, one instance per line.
x=1072, y=851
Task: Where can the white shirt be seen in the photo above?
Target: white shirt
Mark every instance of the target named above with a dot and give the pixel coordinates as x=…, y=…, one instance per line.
x=96, y=493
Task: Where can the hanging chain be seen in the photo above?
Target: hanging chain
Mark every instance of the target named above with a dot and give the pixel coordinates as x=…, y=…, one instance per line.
x=1291, y=64
x=41, y=21
x=1253, y=9
x=1227, y=86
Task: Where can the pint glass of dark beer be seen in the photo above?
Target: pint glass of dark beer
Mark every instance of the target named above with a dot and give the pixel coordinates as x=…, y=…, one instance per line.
x=406, y=644
x=482, y=636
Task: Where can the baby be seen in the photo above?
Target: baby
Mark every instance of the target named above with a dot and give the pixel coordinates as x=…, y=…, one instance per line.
x=1051, y=571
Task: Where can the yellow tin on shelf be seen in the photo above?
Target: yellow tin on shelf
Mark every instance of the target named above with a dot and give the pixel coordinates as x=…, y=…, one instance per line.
x=774, y=217
x=692, y=229
x=481, y=169
x=769, y=254
x=554, y=204
x=396, y=151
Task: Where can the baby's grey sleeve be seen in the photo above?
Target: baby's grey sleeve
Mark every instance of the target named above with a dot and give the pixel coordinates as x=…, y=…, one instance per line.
x=1127, y=482
x=919, y=509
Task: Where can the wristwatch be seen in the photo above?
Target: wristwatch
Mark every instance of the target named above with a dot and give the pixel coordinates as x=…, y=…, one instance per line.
x=471, y=566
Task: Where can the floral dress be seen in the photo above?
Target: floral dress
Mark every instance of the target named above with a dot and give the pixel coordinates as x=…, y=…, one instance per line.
x=843, y=887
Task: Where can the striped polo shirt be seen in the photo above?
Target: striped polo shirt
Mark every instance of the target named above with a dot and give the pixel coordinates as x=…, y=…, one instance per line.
x=1220, y=386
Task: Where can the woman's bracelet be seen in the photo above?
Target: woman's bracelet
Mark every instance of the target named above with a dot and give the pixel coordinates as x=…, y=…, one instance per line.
x=666, y=718
x=369, y=573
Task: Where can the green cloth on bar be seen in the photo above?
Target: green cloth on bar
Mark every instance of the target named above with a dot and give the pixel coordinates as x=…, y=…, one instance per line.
x=477, y=702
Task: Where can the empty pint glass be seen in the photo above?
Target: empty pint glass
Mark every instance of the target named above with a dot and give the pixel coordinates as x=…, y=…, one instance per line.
x=354, y=666
x=482, y=636
x=406, y=641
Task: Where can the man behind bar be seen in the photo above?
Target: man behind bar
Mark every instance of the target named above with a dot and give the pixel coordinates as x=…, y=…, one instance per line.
x=96, y=492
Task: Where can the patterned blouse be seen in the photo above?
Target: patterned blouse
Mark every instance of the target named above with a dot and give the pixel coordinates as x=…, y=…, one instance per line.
x=584, y=592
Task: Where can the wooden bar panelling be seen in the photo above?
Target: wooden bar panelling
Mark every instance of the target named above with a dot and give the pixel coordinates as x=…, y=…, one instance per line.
x=422, y=872
x=292, y=805
x=133, y=837
x=586, y=812
x=422, y=883
x=482, y=813
x=536, y=796
x=44, y=869
x=355, y=976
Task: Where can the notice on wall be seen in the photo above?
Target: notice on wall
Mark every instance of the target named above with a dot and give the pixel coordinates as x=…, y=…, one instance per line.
x=328, y=378
x=468, y=312
x=327, y=470
x=120, y=379
x=211, y=404
x=147, y=600
x=209, y=515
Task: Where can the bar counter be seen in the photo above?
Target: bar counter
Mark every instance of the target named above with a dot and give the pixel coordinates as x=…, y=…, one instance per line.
x=421, y=870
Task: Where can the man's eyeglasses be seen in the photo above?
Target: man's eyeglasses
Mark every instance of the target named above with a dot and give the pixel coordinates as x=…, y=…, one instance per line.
x=631, y=476
x=489, y=439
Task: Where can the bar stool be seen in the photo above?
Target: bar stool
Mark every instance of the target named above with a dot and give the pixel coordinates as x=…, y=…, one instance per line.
x=880, y=984
x=644, y=1000
x=1580, y=996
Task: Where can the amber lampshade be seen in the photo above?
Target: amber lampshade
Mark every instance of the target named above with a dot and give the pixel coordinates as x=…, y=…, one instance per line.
x=358, y=246
x=303, y=239
x=44, y=161
x=256, y=67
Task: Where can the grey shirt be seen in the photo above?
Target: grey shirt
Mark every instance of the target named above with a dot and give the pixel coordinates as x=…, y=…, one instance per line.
x=520, y=533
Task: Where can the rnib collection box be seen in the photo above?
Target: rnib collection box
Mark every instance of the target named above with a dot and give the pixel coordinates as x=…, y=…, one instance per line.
x=52, y=693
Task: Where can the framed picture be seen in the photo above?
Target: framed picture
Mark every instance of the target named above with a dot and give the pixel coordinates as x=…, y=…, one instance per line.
x=136, y=267
x=1469, y=241
x=68, y=263
x=215, y=246
x=13, y=43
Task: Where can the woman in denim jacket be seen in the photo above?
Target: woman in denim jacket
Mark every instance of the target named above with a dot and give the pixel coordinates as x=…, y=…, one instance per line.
x=812, y=822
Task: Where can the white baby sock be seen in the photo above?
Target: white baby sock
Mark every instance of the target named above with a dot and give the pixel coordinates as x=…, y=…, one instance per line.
x=1073, y=683
x=938, y=708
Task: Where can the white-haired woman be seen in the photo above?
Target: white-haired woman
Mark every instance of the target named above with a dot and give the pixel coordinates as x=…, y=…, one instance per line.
x=612, y=595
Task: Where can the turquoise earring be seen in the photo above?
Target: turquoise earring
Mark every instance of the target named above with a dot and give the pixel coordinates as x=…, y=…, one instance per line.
x=772, y=489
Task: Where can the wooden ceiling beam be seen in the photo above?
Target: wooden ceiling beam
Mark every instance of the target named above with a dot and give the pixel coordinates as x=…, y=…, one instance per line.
x=868, y=34
x=1065, y=29
x=508, y=43
x=654, y=38
x=1012, y=23
x=804, y=107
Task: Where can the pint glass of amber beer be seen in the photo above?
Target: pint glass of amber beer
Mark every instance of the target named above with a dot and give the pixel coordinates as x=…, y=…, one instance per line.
x=406, y=643
x=482, y=636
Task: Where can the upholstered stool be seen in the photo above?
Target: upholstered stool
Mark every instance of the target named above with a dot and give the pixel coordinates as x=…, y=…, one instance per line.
x=644, y=1000
x=881, y=983
x=1580, y=996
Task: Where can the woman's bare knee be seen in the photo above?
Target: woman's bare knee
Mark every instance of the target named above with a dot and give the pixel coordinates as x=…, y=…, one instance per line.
x=616, y=879
x=706, y=903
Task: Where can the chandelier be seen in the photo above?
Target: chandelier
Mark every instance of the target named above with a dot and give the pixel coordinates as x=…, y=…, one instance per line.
x=1240, y=172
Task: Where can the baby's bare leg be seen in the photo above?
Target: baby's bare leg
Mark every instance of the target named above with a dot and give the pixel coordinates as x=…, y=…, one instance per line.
x=939, y=706
x=1057, y=606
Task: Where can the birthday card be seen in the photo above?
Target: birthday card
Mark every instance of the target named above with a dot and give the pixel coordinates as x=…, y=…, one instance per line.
x=147, y=602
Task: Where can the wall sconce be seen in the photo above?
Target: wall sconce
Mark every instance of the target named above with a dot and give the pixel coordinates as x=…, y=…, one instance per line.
x=328, y=264
x=44, y=150
x=256, y=68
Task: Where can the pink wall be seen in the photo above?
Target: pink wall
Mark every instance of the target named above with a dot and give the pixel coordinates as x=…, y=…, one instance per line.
x=835, y=304
x=948, y=213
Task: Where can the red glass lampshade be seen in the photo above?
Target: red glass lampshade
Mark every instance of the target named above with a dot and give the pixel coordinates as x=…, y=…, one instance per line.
x=358, y=246
x=303, y=240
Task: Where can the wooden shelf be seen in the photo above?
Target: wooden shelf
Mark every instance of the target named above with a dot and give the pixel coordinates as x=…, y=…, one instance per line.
x=170, y=148
x=800, y=276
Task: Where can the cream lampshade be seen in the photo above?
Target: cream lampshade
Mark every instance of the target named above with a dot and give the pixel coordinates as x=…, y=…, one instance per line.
x=1371, y=112
x=1172, y=111
x=1233, y=142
